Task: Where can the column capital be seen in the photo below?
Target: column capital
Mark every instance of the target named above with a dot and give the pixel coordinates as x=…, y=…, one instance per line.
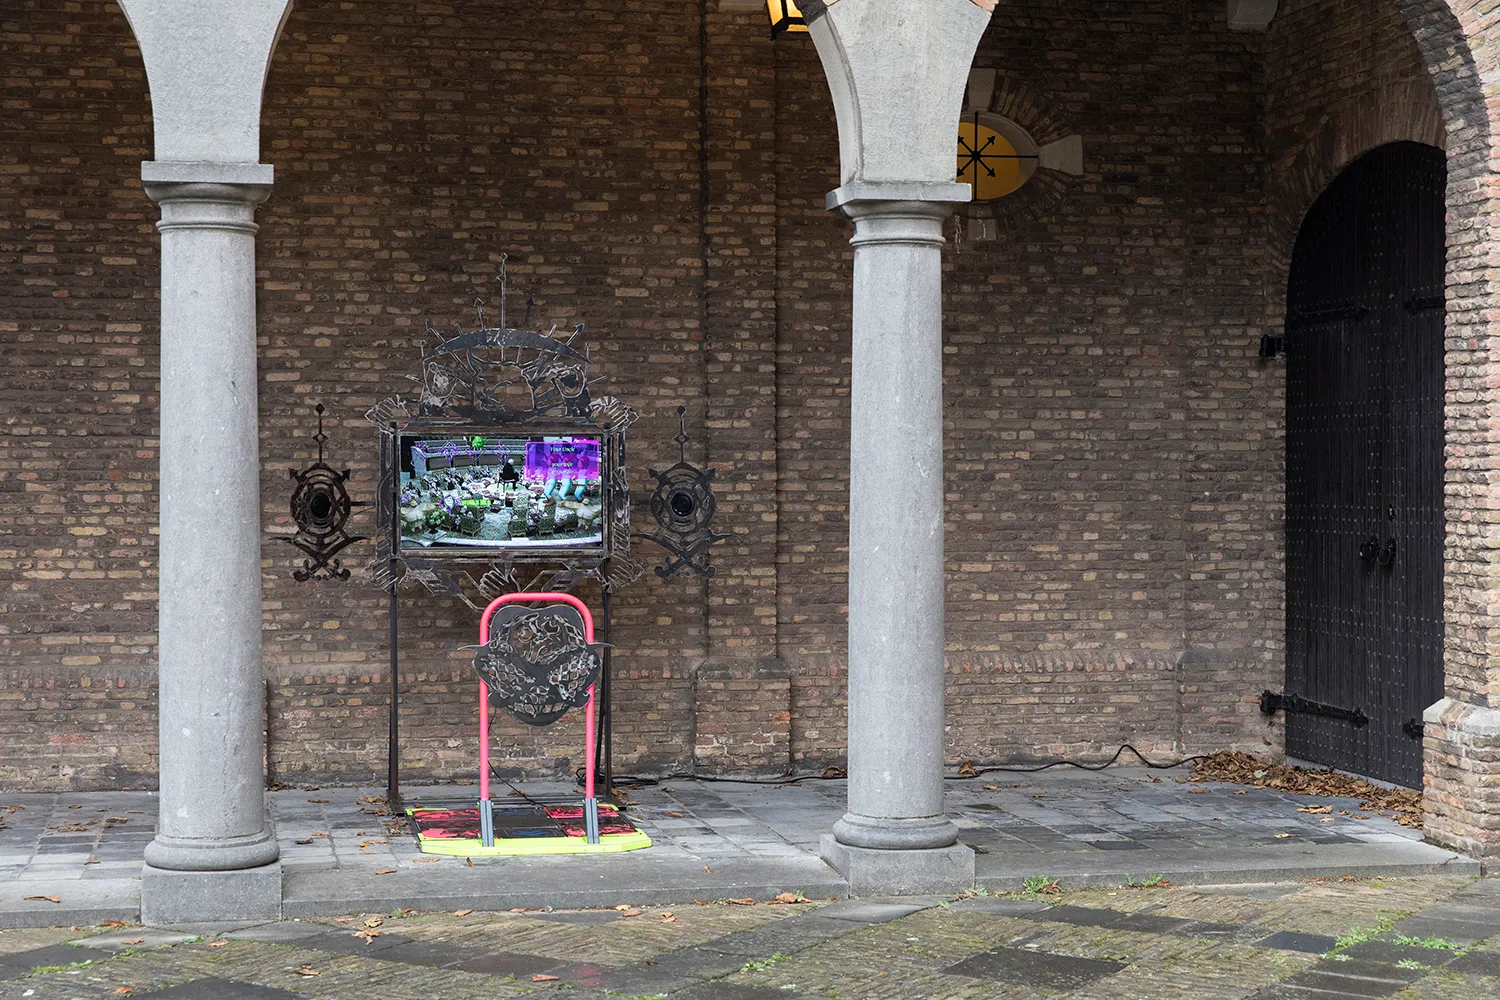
x=908, y=223
x=204, y=195
x=843, y=198
x=169, y=180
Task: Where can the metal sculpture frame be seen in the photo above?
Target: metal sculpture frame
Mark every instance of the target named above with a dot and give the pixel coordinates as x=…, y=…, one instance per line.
x=469, y=382
x=590, y=802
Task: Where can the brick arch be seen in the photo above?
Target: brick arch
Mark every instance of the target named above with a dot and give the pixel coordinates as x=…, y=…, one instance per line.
x=1395, y=113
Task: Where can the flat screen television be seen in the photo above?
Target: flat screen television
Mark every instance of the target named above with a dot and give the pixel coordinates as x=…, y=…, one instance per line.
x=521, y=495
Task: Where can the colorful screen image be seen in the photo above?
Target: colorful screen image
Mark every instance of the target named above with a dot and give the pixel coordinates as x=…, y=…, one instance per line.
x=501, y=492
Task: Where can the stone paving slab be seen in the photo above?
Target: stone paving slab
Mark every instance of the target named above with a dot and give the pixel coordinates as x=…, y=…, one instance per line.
x=719, y=840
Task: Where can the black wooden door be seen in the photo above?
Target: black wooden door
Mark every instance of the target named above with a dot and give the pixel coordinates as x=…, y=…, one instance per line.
x=1364, y=477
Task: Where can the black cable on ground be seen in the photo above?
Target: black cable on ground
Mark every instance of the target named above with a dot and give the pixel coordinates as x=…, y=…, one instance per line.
x=637, y=781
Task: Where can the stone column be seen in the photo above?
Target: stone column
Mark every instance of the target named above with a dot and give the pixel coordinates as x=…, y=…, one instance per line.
x=212, y=811
x=215, y=855
x=897, y=71
x=896, y=530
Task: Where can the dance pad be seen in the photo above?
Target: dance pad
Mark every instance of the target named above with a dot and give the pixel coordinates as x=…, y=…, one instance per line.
x=524, y=830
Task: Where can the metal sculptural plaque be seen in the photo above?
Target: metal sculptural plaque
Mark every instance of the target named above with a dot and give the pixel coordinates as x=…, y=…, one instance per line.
x=320, y=507
x=683, y=504
x=537, y=663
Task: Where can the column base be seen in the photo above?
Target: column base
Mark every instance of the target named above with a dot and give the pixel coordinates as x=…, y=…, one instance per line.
x=189, y=854
x=942, y=870
x=174, y=897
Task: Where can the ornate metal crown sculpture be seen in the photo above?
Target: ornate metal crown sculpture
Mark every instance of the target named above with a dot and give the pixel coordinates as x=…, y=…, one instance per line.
x=537, y=663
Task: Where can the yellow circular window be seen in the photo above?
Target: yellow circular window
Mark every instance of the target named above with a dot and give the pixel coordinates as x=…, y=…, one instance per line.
x=996, y=157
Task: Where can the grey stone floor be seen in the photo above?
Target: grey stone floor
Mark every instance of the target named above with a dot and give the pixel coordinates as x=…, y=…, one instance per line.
x=1089, y=828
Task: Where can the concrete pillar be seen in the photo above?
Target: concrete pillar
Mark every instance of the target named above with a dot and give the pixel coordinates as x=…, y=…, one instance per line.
x=897, y=70
x=215, y=855
x=896, y=530
x=212, y=811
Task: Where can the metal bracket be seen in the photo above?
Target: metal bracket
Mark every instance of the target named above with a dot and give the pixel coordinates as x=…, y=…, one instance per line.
x=1271, y=703
x=1412, y=728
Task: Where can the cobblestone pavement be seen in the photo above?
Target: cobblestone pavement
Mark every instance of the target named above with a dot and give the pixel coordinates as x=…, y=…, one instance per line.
x=1433, y=938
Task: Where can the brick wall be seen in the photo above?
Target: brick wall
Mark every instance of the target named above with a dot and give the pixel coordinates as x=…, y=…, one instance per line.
x=1113, y=453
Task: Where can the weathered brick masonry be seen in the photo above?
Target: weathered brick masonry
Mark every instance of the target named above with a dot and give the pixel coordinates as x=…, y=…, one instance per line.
x=1114, y=446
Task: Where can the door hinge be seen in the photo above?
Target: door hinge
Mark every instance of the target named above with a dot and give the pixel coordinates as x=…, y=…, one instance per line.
x=1271, y=702
x=1412, y=728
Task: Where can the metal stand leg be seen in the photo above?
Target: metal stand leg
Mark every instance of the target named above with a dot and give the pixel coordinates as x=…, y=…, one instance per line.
x=591, y=819
x=487, y=822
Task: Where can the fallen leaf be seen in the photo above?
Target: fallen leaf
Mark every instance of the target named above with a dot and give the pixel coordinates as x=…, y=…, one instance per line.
x=123, y=991
x=991, y=788
x=341, y=920
x=45, y=899
x=745, y=901
x=217, y=944
x=1326, y=819
x=667, y=918
x=306, y=970
x=1282, y=836
x=425, y=861
x=462, y=913
x=386, y=871
x=1197, y=791
x=367, y=935
x=542, y=977
x=112, y=923
x=675, y=815
x=469, y=862
x=318, y=801
x=374, y=921
x=307, y=841
x=1315, y=810
x=623, y=906
x=966, y=769
x=631, y=911
x=1360, y=816
x=708, y=869
x=139, y=940
x=790, y=897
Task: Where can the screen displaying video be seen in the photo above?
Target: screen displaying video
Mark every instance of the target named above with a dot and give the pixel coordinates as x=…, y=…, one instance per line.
x=501, y=492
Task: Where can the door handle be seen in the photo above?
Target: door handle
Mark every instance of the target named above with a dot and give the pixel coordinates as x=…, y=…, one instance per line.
x=1370, y=550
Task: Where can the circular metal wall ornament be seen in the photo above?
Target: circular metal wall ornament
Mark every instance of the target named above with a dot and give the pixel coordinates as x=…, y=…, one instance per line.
x=320, y=506
x=684, y=505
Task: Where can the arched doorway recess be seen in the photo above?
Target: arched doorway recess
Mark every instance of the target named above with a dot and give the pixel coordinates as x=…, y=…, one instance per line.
x=1364, y=478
